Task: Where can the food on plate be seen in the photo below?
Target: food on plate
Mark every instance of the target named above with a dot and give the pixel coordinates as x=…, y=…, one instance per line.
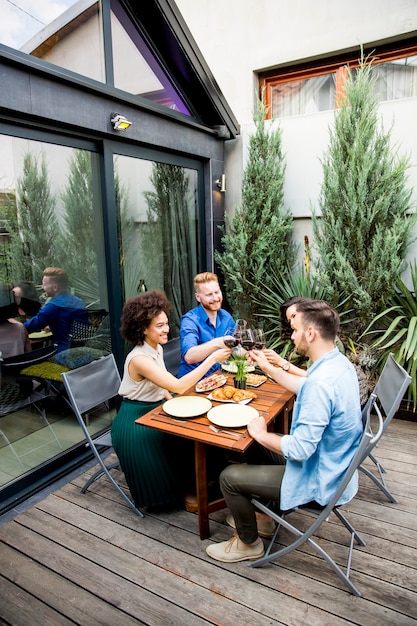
x=211, y=382
x=231, y=394
x=255, y=379
x=228, y=392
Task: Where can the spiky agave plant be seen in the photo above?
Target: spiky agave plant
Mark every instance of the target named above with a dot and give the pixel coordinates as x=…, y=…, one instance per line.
x=300, y=282
x=395, y=330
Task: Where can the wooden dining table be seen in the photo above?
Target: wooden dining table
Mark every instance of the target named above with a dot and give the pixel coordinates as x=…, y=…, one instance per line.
x=273, y=402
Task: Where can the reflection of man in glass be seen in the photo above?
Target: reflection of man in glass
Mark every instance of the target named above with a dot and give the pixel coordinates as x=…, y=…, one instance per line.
x=60, y=311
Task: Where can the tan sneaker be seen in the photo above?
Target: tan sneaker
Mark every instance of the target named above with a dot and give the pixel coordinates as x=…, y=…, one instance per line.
x=234, y=550
x=265, y=529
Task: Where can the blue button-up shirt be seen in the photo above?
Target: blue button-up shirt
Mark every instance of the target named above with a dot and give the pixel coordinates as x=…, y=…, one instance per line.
x=58, y=314
x=325, y=433
x=196, y=328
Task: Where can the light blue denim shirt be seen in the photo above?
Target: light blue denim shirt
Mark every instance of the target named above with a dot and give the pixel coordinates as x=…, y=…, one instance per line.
x=325, y=433
x=196, y=329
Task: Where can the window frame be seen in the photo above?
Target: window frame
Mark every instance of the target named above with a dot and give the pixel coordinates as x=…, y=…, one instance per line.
x=336, y=64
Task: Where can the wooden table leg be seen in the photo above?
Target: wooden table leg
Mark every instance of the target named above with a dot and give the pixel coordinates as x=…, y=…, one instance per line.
x=282, y=421
x=201, y=488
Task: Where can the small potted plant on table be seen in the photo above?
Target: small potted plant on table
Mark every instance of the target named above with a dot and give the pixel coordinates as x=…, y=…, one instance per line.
x=238, y=357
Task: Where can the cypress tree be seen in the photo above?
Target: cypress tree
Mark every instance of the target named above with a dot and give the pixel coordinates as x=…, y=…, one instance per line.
x=37, y=223
x=171, y=223
x=257, y=239
x=79, y=232
x=364, y=231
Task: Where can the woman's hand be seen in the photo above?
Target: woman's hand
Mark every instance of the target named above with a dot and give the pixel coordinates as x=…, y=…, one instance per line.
x=272, y=356
x=222, y=354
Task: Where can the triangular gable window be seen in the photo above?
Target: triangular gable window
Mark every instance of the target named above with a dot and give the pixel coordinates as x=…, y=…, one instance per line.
x=136, y=69
x=73, y=39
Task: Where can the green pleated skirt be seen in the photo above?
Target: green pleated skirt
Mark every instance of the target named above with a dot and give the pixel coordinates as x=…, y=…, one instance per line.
x=159, y=468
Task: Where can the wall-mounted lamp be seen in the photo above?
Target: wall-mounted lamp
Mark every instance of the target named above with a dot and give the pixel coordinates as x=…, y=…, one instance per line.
x=221, y=183
x=119, y=122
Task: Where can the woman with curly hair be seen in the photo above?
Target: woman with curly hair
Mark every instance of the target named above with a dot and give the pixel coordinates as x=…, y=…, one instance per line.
x=158, y=467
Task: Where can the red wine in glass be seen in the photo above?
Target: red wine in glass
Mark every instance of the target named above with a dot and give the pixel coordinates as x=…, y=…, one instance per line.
x=231, y=337
x=260, y=341
x=248, y=340
x=248, y=344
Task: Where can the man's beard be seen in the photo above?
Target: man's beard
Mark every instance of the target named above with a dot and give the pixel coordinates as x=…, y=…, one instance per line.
x=302, y=348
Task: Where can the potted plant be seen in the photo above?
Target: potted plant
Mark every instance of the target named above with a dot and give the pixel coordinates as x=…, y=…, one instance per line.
x=238, y=357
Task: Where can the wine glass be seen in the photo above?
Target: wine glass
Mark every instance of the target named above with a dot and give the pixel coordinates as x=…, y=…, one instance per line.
x=248, y=339
x=260, y=341
x=239, y=329
x=231, y=337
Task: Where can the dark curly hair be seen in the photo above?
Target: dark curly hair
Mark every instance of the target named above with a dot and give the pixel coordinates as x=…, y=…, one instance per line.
x=138, y=313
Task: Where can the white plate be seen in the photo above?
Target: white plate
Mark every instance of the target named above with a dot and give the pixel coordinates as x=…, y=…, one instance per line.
x=232, y=415
x=210, y=383
x=42, y=334
x=232, y=367
x=248, y=384
x=187, y=406
x=245, y=401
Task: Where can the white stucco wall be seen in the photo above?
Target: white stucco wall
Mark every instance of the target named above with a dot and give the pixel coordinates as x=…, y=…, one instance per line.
x=239, y=37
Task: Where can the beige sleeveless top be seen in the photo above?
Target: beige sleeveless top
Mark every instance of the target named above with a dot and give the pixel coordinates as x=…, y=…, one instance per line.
x=143, y=390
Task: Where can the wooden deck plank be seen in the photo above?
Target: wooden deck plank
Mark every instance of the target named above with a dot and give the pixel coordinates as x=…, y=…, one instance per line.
x=20, y=608
x=59, y=593
x=94, y=575
x=315, y=566
x=88, y=559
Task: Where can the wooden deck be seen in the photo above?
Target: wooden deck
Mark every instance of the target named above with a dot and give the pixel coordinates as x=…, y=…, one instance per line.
x=88, y=559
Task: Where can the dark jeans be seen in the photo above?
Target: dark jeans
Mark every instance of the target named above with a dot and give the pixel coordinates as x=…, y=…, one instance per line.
x=241, y=482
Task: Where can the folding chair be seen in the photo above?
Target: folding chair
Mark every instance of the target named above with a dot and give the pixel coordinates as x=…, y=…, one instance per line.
x=389, y=390
x=82, y=332
x=88, y=387
x=368, y=441
x=92, y=346
x=18, y=394
x=172, y=355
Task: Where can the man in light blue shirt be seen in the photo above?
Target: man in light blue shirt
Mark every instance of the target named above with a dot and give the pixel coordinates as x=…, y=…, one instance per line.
x=203, y=328
x=311, y=461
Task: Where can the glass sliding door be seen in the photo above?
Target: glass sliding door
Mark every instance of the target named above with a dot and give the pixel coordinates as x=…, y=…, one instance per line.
x=50, y=215
x=160, y=229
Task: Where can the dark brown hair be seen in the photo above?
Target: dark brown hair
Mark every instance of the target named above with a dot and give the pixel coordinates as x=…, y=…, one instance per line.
x=285, y=325
x=138, y=313
x=321, y=315
x=8, y=307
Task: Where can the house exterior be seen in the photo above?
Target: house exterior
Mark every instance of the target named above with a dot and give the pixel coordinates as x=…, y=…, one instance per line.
x=115, y=208
x=106, y=203
x=252, y=41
